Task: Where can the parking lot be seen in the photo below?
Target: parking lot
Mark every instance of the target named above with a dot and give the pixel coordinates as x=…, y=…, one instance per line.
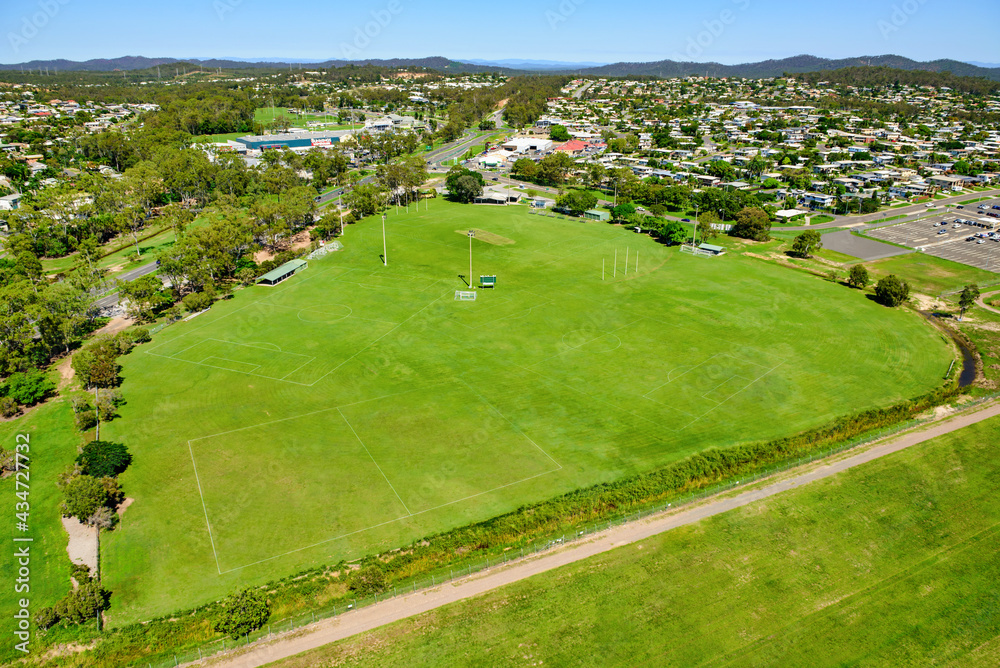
x=968, y=235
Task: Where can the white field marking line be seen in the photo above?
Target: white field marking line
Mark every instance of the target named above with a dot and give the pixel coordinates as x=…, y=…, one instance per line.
x=392, y=521
x=212, y=366
x=245, y=345
x=596, y=338
x=697, y=366
x=226, y=359
x=716, y=401
x=316, y=412
x=350, y=315
x=296, y=369
x=733, y=395
x=384, y=476
x=377, y=340
x=508, y=420
x=261, y=345
x=197, y=343
x=201, y=494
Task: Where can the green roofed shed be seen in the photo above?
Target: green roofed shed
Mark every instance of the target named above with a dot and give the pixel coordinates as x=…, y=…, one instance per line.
x=714, y=250
x=276, y=276
x=597, y=214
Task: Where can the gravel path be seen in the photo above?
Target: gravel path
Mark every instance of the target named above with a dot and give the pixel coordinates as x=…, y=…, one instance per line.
x=380, y=614
x=982, y=300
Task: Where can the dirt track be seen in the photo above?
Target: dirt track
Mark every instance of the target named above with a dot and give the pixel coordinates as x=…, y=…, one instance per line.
x=374, y=616
x=982, y=300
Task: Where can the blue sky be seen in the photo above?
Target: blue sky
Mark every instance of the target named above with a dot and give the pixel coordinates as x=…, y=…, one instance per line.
x=727, y=31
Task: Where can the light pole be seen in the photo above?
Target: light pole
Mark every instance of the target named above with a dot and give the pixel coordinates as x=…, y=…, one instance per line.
x=385, y=256
x=472, y=235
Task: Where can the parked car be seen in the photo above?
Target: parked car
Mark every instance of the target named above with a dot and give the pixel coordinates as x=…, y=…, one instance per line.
x=943, y=232
x=981, y=241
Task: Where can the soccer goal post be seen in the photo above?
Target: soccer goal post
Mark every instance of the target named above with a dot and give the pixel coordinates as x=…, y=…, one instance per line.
x=465, y=296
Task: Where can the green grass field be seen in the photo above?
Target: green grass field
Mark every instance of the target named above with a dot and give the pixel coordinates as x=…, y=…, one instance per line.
x=890, y=564
x=53, y=442
x=930, y=275
x=357, y=407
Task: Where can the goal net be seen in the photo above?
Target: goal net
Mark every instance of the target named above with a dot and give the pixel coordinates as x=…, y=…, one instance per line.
x=465, y=296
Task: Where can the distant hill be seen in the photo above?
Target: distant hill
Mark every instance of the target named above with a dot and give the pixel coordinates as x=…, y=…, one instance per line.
x=663, y=69
x=143, y=63
x=795, y=65
x=517, y=63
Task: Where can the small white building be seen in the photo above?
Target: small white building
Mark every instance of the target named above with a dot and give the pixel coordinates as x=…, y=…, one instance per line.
x=525, y=144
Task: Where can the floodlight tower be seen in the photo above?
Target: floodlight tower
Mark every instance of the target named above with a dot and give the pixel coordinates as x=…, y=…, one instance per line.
x=385, y=256
x=472, y=235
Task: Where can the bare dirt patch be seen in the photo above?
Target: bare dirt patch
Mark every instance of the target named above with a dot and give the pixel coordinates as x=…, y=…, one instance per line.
x=488, y=237
x=928, y=303
x=66, y=373
x=82, y=547
x=115, y=325
x=297, y=242
x=123, y=506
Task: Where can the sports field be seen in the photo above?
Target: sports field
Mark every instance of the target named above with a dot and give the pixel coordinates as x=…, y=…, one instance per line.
x=893, y=563
x=356, y=406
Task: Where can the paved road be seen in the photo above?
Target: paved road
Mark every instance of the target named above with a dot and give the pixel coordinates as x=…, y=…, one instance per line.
x=861, y=247
x=112, y=299
x=374, y=616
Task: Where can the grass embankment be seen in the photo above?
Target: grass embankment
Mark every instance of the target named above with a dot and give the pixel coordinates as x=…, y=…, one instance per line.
x=891, y=563
x=928, y=274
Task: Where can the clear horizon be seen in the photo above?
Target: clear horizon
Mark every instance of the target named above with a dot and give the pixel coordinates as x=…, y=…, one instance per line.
x=724, y=31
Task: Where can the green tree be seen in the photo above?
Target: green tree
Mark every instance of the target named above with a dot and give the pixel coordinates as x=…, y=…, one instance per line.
x=859, y=277
x=806, y=242
x=577, y=201
x=28, y=388
x=242, y=613
x=464, y=184
x=559, y=133
x=144, y=296
x=103, y=459
x=968, y=298
x=84, y=495
x=752, y=223
x=365, y=199
x=674, y=232
x=892, y=290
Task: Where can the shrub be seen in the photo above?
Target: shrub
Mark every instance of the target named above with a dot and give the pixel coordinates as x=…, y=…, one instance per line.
x=103, y=518
x=8, y=407
x=84, y=495
x=7, y=460
x=197, y=301
x=368, y=581
x=86, y=420
x=101, y=459
x=242, y=613
x=859, y=277
x=84, y=603
x=46, y=618
x=28, y=388
x=892, y=291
